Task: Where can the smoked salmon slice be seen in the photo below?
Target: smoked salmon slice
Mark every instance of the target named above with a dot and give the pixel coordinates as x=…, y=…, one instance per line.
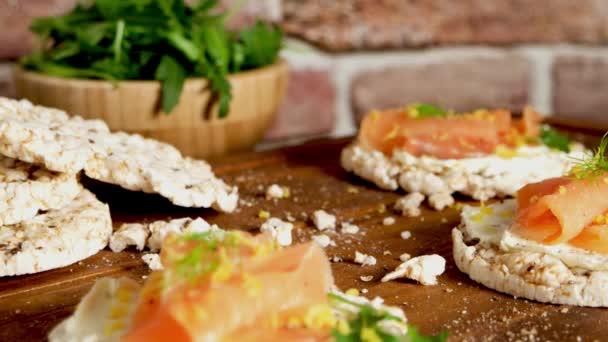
x=447, y=136
x=245, y=282
x=562, y=210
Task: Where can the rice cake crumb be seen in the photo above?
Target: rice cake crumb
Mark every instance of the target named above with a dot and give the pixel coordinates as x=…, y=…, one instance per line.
x=323, y=220
x=388, y=221
x=424, y=269
x=279, y=230
x=364, y=259
x=409, y=205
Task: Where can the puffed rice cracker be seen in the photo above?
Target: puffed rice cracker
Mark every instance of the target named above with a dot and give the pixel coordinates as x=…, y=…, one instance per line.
x=26, y=189
x=46, y=136
x=530, y=275
x=147, y=165
x=56, y=238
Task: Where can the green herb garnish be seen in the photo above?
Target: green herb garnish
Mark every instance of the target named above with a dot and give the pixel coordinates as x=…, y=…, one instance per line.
x=163, y=40
x=425, y=110
x=594, y=164
x=367, y=325
x=554, y=139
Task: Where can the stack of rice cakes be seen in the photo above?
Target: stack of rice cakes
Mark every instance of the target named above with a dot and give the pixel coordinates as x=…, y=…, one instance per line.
x=47, y=218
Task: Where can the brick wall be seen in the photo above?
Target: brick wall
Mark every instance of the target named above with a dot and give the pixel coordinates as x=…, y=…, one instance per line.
x=350, y=56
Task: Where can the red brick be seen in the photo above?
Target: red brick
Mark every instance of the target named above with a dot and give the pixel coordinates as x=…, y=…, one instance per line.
x=375, y=24
x=580, y=88
x=252, y=10
x=463, y=84
x=309, y=106
x=15, y=18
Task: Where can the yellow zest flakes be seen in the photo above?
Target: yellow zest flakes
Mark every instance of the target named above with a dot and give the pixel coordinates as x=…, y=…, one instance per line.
x=252, y=284
x=319, y=317
x=352, y=190
x=274, y=321
x=490, y=229
x=381, y=208
x=286, y=192
x=392, y=134
x=504, y=152
x=562, y=189
x=506, y=214
x=264, y=249
x=124, y=294
x=375, y=115
x=457, y=206
x=118, y=311
x=343, y=327
x=352, y=292
x=606, y=180
x=483, y=212
x=600, y=219
x=225, y=268
x=294, y=322
x=443, y=137
x=114, y=327
x=263, y=214
x=370, y=335
x=534, y=199
x=412, y=111
x=444, y=220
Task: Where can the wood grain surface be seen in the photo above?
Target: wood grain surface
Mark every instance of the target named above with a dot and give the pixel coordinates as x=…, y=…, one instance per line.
x=31, y=305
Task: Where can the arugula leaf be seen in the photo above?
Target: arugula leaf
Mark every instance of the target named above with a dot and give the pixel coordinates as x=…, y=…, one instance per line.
x=173, y=76
x=425, y=110
x=554, y=139
x=129, y=39
x=261, y=44
x=414, y=336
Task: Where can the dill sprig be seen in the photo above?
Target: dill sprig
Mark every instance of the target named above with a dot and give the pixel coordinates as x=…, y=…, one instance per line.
x=594, y=164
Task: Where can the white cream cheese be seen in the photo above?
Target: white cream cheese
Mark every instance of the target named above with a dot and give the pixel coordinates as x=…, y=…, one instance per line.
x=490, y=224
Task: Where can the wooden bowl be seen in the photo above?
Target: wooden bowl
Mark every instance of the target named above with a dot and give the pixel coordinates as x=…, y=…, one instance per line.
x=193, y=126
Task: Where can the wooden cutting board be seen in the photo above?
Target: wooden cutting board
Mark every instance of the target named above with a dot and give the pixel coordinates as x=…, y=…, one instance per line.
x=31, y=305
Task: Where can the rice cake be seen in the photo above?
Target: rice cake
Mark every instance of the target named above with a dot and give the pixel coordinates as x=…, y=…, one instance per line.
x=26, y=189
x=56, y=238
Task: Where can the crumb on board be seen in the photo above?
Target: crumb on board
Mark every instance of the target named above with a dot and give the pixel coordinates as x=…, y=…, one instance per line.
x=388, y=221
x=323, y=220
x=349, y=228
x=364, y=259
x=424, y=269
x=279, y=230
x=323, y=240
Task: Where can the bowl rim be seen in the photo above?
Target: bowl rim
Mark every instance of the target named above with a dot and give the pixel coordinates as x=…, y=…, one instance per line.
x=19, y=72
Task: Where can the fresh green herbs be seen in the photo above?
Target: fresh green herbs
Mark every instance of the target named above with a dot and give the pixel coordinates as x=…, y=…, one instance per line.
x=163, y=40
x=554, y=139
x=425, y=110
x=593, y=165
x=368, y=323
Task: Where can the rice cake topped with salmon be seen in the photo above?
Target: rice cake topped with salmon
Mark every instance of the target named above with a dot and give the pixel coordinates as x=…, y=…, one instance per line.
x=433, y=154
x=231, y=286
x=549, y=244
